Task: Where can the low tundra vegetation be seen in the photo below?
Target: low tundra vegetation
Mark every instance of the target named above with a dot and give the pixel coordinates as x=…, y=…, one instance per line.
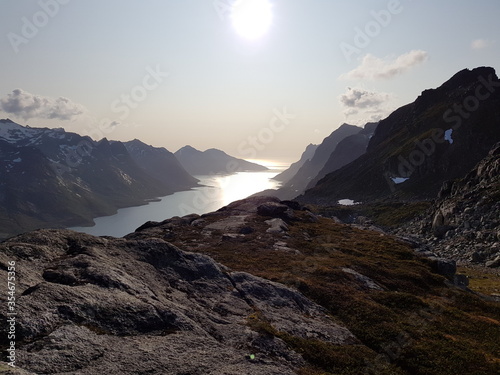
x=408, y=319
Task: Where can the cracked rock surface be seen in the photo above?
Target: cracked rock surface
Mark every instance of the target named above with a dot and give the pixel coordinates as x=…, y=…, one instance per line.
x=89, y=305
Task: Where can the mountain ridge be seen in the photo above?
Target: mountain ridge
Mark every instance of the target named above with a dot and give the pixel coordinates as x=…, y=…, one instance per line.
x=292, y=170
x=54, y=178
x=411, y=143
x=213, y=161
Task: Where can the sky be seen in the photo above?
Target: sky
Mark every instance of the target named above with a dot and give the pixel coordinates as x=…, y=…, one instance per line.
x=259, y=79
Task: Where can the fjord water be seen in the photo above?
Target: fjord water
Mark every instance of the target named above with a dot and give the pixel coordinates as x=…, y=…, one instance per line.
x=217, y=191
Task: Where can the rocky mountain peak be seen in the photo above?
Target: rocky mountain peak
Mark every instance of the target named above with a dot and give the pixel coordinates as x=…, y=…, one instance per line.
x=438, y=137
x=186, y=150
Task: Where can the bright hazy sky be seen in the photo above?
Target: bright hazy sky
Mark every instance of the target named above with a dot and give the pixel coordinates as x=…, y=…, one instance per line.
x=177, y=72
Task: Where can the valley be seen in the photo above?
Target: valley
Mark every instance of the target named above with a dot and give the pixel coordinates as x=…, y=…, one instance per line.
x=249, y=187
x=377, y=252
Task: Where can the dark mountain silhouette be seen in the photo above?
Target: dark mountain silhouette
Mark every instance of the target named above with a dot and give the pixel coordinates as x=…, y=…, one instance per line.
x=53, y=178
x=439, y=137
x=292, y=170
x=308, y=168
x=160, y=164
x=213, y=161
x=311, y=168
x=463, y=223
x=347, y=150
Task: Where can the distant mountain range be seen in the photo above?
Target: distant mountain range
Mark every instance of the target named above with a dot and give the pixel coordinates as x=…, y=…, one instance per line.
x=346, y=151
x=50, y=177
x=213, y=161
x=161, y=164
x=310, y=169
x=342, y=146
x=292, y=170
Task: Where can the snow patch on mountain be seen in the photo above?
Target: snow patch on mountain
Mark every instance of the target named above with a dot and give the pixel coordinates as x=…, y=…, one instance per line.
x=447, y=136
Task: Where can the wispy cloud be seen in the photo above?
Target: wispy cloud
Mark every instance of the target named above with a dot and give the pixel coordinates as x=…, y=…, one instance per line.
x=373, y=68
x=481, y=44
x=27, y=105
x=371, y=105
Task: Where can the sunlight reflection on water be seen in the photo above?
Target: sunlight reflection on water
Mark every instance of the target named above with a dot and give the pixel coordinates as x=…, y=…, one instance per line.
x=217, y=191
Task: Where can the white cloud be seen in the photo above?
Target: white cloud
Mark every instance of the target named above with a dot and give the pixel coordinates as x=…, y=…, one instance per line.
x=370, y=105
x=360, y=98
x=372, y=67
x=26, y=105
x=481, y=44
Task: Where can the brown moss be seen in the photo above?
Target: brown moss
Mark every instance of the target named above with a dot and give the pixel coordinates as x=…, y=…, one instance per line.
x=415, y=325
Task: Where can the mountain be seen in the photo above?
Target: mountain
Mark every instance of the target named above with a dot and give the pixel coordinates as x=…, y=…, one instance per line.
x=292, y=170
x=161, y=164
x=347, y=150
x=260, y=287
x=213, y=161
x=310, y=169
x=53, y=178
x=464, y=222
x=307, y=168
x=438, y=137
x=297, y=177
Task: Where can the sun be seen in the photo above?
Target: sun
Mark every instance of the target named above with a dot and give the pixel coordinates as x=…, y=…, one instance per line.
x=251, y=18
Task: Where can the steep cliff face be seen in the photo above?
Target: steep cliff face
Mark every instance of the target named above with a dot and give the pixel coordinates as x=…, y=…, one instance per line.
x=439, y=137
x=464, y=222
x=311, y=168
x=347, y=150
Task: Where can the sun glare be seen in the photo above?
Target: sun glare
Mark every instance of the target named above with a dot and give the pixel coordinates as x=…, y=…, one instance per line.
x=251, y=18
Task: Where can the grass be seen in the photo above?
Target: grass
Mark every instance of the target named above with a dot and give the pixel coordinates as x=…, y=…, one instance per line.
x=481, y=281
x=415, y=325
x=388, y=214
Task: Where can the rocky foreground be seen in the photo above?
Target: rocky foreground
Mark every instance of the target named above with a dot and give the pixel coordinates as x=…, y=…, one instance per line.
x=258, y=287
x=464, y=222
